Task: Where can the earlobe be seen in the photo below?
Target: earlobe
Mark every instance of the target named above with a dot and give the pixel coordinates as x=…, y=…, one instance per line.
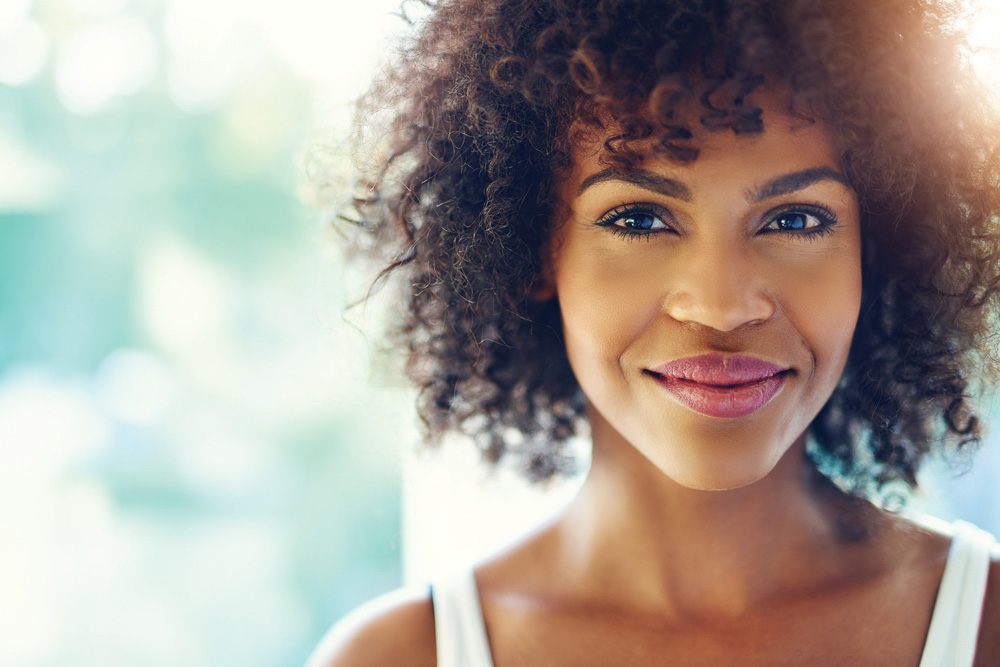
x=543, y=290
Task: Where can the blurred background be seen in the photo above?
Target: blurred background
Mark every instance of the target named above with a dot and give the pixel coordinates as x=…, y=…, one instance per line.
x=197, y=468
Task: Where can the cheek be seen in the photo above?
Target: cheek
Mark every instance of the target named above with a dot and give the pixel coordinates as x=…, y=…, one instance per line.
x=604, y=307
x=824, y=302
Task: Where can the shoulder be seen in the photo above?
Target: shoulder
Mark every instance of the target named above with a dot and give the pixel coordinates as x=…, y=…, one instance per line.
x=988, y=643
x=988, y=649
x=395, y=629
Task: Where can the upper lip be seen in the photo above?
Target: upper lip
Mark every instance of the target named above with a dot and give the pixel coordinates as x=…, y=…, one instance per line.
x=718, y=369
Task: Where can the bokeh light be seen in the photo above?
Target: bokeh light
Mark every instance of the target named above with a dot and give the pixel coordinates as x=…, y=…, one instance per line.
x=200, y=469
x=180, y=399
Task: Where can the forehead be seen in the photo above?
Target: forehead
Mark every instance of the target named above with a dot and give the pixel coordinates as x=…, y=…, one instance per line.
x=786, y=142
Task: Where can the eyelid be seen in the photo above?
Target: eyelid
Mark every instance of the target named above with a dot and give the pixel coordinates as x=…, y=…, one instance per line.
x=827, y=218
x=822, y=213
x=630, y=208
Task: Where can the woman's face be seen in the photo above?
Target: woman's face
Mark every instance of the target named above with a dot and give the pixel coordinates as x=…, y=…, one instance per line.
x=708, y=307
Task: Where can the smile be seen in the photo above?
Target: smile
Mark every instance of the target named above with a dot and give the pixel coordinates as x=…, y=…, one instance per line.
x=716, y=386
x=723, y=401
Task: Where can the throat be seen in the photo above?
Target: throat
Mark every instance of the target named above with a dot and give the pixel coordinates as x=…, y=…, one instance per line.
x=711, y=554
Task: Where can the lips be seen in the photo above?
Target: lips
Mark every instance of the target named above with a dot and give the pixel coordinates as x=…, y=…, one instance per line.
x=720, y=386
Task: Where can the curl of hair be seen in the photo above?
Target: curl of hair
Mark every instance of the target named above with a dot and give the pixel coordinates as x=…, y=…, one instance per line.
x=478, y=117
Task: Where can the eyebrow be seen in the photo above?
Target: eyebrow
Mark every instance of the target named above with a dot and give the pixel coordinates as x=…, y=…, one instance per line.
x=648, y=180
x=797, y=180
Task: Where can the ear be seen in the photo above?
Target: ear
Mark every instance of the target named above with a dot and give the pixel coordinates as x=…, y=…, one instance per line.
x=544, y=288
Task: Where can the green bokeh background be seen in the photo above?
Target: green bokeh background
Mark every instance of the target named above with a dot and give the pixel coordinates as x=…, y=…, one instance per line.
x=193, y=475
x=196, y=470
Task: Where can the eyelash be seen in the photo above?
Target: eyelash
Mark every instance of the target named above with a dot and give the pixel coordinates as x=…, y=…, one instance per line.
x=609, y=219
x=826, y=217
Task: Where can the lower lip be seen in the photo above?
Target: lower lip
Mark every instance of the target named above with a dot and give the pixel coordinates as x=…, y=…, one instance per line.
x=723, y=402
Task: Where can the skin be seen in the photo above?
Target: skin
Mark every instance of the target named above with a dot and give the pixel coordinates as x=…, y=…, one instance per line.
x=715, y=277
x=712, y=541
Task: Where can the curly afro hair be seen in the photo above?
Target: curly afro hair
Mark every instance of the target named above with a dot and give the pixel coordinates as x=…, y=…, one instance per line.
x=474, y=125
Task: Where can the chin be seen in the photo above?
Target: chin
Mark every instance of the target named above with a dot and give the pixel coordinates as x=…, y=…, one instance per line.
x=716, y=475
x=719, y=484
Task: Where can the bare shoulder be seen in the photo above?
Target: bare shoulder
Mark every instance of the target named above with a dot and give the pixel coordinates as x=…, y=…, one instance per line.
x=395, y=629
x=988, y=650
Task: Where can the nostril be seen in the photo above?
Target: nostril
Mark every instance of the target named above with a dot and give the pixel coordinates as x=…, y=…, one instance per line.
x=723, y=314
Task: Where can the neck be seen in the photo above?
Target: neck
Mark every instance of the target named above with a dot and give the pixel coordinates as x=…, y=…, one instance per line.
x=634, y=532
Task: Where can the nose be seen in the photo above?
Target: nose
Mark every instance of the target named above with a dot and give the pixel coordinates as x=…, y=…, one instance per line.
x=718, y=288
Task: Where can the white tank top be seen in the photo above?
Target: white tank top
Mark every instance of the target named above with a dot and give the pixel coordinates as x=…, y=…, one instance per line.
x=951, y=638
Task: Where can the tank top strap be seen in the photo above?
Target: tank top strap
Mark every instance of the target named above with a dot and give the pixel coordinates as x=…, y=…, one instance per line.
x=458, y=623
x=954, y=629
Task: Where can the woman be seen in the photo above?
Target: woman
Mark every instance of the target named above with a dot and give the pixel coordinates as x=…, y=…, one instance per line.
x=751, y=246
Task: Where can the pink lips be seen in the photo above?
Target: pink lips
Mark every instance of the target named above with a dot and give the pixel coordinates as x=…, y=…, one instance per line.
x=720, y=386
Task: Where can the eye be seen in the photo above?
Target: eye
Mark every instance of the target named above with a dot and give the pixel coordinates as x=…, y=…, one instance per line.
x=634, y=220
x=794, y=220
x=801, y=220
x=640, y=220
